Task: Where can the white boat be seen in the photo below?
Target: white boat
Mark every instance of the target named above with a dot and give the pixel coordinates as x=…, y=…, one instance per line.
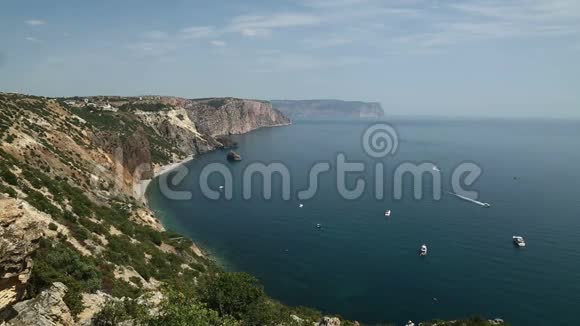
x=388, y=213
x=435, y=168
x=301, y=205
x=519, y=241
x=423, y=250
x=319, y=226
x=221, y=187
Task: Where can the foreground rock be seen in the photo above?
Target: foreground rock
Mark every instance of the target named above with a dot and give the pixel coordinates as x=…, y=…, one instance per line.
x=329, y=321
x=47, y=309
x=21, y=227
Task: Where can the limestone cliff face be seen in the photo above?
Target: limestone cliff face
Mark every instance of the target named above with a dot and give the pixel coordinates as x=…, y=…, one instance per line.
x=21, y=227
x=329, y=109
x=48, y=146
x=194, y=126
x=47, y=309
x=229, y=116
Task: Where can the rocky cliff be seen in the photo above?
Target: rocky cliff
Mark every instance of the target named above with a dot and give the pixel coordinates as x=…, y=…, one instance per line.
x=75, y=245
x=329, y=109
x=228, y=116
x=21, y=227
x=67, y=167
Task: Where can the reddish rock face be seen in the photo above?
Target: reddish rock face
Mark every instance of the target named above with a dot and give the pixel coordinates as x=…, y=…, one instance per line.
x=136, y=153
x=217, y=117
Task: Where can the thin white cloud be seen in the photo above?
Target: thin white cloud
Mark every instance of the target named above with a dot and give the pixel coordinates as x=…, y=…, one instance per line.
x=287, y=62
x=34, y=22
x=377, y=26
x=157, y=43
x=262, y=25
x=328, y=42
x=253, y=32
x=156, y=35
x=334, y=3
x=218, y=43
x=196, y=32
x=523, y=10
x=153, y=48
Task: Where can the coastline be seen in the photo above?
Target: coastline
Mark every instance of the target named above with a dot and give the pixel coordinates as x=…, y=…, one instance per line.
x=140, y=188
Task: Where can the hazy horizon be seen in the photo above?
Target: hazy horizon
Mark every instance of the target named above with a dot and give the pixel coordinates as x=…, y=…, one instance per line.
x=426, y=58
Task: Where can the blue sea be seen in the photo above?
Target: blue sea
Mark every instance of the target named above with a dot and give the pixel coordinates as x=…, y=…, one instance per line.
x=365, y=266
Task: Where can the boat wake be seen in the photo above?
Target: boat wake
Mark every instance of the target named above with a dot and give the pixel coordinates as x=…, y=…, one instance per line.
x=470, y=199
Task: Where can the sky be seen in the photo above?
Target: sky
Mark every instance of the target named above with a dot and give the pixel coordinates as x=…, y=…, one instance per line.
x=505, y=58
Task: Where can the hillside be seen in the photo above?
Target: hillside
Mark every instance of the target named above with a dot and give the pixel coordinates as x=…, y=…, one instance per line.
x=76, y=246
x=329, y=109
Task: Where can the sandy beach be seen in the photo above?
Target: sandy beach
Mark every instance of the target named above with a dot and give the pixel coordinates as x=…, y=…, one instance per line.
x=140, y=188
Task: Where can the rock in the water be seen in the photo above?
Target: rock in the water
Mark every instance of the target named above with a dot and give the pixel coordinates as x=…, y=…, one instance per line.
x=47, y=309
x=233, y=156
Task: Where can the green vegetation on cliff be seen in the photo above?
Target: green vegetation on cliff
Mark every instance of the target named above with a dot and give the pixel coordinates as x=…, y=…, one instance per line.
x=95, y=239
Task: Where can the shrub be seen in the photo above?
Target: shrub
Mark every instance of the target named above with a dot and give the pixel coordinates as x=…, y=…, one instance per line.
x=267, y=313
x=115, y=312
x=56, y=262
x=8, y=176
x=232, y=294
x=178, y=309
x=52, y=226
x=8, y=190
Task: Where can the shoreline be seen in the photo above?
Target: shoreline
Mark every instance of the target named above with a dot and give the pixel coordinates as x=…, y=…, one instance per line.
x=141, y=187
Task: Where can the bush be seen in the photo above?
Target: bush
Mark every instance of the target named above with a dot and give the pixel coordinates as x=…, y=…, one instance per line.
x=267, y=313
x=232, y=294
x=178, y=309
x=116, y=312
x=56, y=262
x=52, y=226
x=8, y=176
x=8, y=190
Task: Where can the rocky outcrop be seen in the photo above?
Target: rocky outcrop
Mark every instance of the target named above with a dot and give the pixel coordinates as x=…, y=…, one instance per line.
x=329, y=109
x=233, y=156
x=46, y=309
x=329, y=321
x=227, y=116
x=137, y=152
x=132, y=150
x=21, y=226
x=196, y=127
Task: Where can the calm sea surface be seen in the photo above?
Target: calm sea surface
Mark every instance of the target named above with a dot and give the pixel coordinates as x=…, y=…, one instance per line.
x=365, y=266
